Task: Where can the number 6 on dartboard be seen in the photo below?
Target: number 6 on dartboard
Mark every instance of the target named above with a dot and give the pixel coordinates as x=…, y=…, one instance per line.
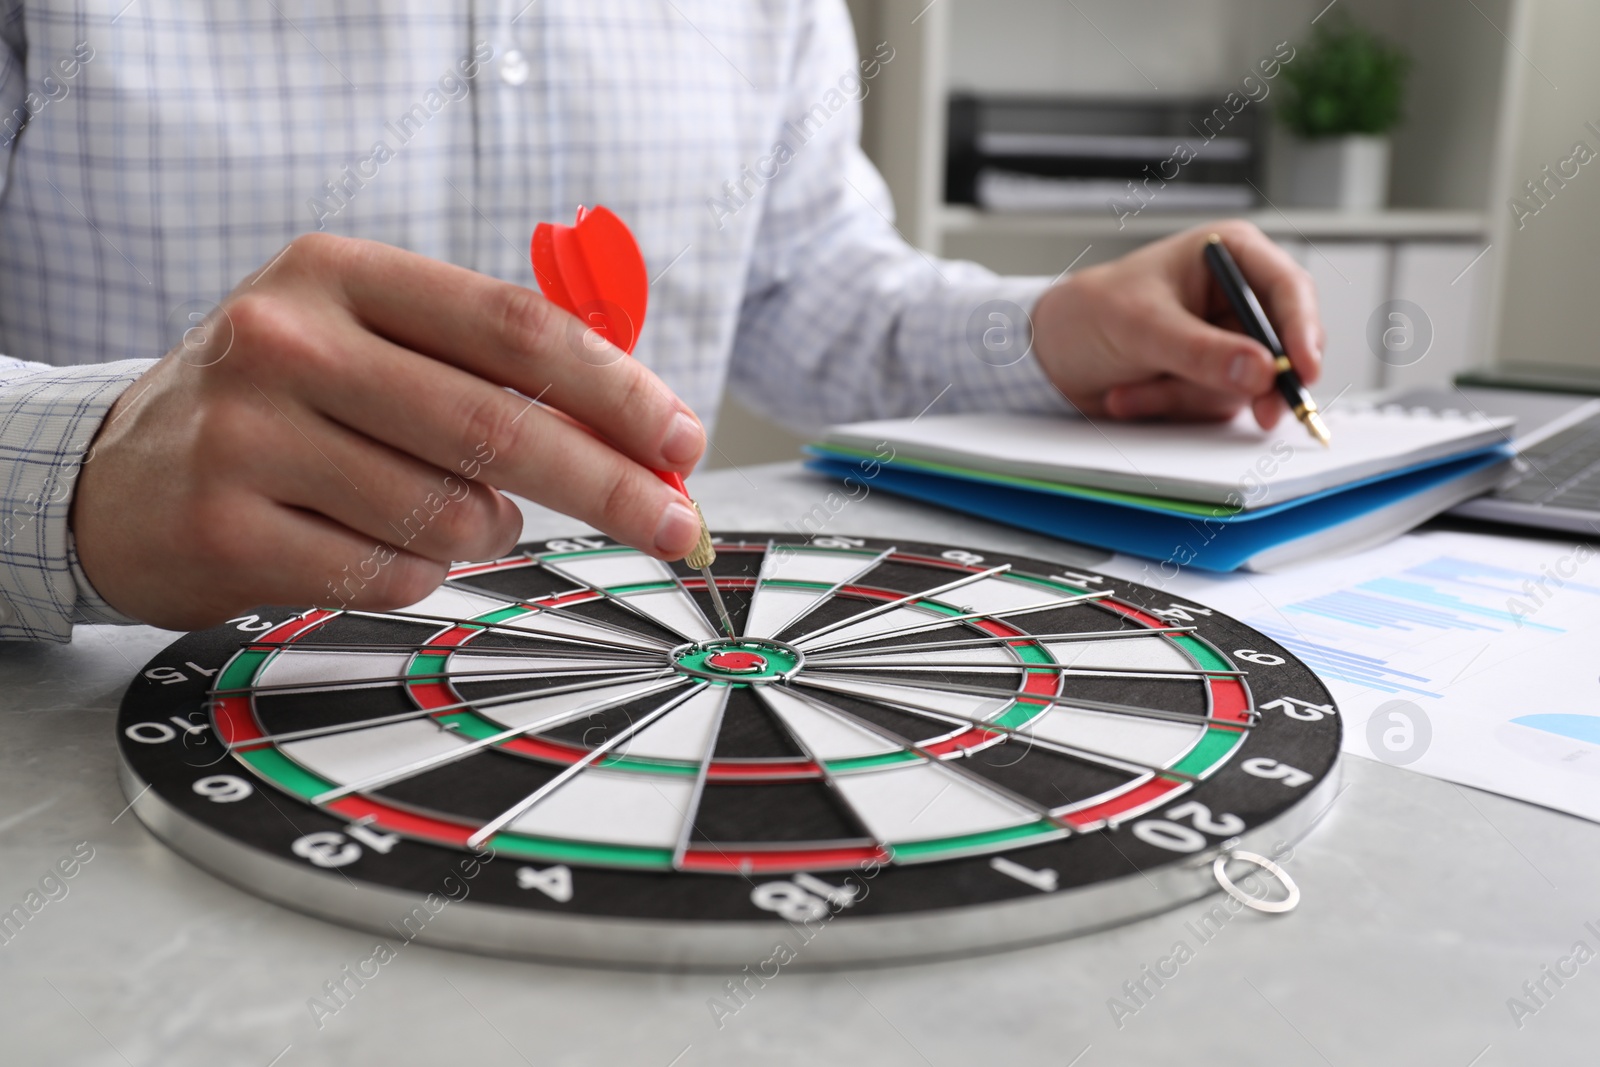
x=223, y=788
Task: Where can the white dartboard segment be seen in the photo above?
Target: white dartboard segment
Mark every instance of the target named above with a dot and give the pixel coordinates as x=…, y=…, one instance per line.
x=901, y=618
x=886, y=658
x=673, y=609
x=567, y=625
x=357, y=755
x=989, y=595
x=924, y=801
x=611, y=571
x=537, y=713
x=824, y=735
x=773, y=606
x=608, y=570
x=448, y=602
x=647, y=811
x=687, y=732
x=1149, y=742
x=962, y=705
x=1001, y=593
x=487, y=668
x=335, y=670
x=1149, y=653
x=986, y=655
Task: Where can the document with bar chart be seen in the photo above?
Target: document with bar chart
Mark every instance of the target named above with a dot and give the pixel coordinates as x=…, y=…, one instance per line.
x=1471, y=658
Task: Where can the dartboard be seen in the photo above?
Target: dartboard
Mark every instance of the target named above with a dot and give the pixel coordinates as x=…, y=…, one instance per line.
x=902, y=750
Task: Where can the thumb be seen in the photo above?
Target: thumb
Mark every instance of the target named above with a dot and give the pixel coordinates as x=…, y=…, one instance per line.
x=1194, y=350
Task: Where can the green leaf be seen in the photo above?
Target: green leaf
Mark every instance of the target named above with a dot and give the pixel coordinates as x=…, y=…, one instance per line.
x=1347, y=80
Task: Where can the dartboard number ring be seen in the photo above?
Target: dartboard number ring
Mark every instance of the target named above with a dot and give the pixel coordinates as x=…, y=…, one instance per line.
x=943, y=749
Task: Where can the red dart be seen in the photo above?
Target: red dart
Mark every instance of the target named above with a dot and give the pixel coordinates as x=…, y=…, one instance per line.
x=594, y=270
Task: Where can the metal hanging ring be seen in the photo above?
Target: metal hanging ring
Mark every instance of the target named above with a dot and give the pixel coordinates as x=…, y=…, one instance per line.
x=1219, y=869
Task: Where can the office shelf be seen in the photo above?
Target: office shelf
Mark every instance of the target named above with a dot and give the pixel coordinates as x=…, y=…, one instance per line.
x=1307, y=224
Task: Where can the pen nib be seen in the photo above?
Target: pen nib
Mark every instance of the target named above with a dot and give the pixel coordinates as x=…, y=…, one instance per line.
x=1319, y=429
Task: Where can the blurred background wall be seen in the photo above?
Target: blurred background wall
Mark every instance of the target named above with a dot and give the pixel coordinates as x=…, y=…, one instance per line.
x=1496, y=91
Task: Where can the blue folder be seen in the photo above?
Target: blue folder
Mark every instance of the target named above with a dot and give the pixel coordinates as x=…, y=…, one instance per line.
x=1222, y=540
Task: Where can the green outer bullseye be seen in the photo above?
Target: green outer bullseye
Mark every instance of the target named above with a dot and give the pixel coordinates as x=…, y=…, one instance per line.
x=780, y=660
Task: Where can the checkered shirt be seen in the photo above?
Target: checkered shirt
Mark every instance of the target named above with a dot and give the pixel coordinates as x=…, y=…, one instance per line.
x=156, y=151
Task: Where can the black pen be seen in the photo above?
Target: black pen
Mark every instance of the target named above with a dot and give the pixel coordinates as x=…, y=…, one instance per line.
x=1248, y=309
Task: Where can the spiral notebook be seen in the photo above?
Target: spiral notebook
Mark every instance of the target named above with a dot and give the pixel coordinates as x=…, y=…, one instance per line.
x=1218, y=497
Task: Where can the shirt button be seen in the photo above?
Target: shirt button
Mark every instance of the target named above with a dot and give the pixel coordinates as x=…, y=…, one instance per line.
x=514, y=67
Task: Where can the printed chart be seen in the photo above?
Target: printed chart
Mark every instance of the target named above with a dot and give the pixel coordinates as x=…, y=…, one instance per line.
x=1466, y=657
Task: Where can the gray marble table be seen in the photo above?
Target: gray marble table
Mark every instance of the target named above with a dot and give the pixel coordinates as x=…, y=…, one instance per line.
x=1427, y=907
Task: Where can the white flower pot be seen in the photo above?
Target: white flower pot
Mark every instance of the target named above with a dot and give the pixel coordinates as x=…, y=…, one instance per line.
x=1350, y=173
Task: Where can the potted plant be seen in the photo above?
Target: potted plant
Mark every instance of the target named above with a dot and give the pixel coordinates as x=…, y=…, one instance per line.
x=1343, y=95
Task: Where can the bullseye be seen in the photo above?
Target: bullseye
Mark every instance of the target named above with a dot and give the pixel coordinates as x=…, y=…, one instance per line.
x=735, y=661
x=748, y=661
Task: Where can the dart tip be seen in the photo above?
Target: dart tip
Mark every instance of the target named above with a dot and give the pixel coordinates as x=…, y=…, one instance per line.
x=722, y=609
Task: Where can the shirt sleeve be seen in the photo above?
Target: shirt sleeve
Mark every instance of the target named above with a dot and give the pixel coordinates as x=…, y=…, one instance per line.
x=48, y=419
x=843, y=319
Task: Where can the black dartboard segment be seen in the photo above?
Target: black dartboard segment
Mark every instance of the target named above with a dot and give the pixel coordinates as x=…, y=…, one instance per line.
x=936, y=749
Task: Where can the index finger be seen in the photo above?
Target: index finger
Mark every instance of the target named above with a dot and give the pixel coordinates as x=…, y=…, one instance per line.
x=510, y=335
x=1287, y=293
